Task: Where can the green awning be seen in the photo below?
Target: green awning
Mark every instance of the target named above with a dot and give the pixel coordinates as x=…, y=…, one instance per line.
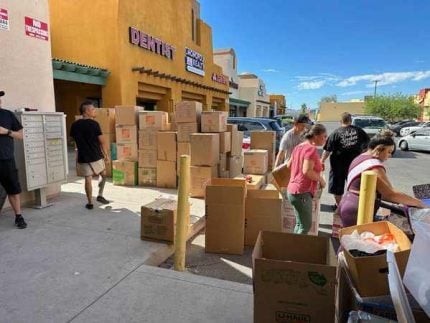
x=75, y=72
x=238, y=102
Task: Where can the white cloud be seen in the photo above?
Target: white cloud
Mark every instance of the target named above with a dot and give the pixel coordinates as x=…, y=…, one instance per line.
x=384, y=78
x=312, y=85
x=354, y=92
x=270, y=70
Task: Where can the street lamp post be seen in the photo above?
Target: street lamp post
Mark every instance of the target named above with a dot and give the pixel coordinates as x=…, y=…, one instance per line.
x=374, y=93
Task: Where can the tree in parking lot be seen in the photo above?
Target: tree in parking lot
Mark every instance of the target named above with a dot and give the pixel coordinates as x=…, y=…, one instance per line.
x=329, y=98
x=392, y=107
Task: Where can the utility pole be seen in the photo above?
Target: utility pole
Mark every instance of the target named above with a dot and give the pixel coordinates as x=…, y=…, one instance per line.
x=376, y=82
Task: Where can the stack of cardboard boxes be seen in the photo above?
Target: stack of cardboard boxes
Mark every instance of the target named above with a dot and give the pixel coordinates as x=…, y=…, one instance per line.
x=106, y=119
x=235, y=156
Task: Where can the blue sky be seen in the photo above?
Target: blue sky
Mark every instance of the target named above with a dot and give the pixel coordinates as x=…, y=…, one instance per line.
x=306, y=49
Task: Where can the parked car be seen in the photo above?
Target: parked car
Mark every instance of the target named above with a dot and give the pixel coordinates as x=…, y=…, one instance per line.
x=247, y=124
x=396, y=129
x=407, y=130
x=417, y=140
x=370, y=124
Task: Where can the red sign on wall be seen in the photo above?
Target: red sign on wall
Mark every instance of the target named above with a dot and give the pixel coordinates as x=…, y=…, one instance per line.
x=4, y=19
x=36, y=28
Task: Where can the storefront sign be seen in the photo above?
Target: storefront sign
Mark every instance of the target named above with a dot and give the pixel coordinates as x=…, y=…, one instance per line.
x=35, y=28
x=233, y=84
x=219, y=78
x=261, y=90
x=194, y=62
x=148, y=42
x=4, y=19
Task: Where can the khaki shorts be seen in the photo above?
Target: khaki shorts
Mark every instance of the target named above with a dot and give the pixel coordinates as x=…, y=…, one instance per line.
x=90, y=169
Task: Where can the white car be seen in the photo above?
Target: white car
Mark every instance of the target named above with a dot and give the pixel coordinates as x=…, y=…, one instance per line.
x=407, y=130
x=417, y=140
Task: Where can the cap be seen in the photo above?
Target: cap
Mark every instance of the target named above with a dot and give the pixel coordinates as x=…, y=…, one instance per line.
x=1, y=93
x=302, y=119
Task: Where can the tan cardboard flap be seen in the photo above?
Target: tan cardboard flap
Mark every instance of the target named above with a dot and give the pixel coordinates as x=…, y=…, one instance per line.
x=228, y=182
x=263, y=194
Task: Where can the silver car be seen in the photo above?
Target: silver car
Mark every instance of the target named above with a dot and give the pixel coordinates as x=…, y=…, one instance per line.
x=418, y=140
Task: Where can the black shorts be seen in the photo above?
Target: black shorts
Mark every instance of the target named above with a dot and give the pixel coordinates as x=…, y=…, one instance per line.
x=9, y=177
x=337, y=179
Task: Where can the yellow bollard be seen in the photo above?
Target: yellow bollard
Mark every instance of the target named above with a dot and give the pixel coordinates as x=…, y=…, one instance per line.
x=183, y=213
x=366, y=203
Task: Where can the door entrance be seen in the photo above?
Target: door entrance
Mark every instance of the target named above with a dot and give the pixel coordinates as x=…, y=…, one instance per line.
x=148, y=105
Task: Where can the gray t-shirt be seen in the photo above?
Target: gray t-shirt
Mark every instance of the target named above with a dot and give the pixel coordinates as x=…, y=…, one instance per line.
x=289, y=141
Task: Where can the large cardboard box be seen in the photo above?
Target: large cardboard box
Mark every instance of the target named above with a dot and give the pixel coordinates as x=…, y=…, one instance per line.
x=370, y=273
x=127, y=152
x=265, y=140
x=106, y=119
x=185, y=130
x=147, y=158
x=262, y=213
x=147, y=176
x=235, y=165
x=126, y=134
x=124, y=172
x=204, y=149
x=148, y=139
x=253, y=182
x=281, y=176
x=236, y=140
x=126, y=115
x=158, y=220
x=225, y=216
x=214, y=121
x=166, y=174
x=224, y=142
x=166, y=145
x=294, y=280
x=188, y=111
x=255, y=162
x=200, y=177
x=156, y=120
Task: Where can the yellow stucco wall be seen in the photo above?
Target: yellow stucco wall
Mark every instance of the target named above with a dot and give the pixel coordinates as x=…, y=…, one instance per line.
x=331, y=111
x=100, y=37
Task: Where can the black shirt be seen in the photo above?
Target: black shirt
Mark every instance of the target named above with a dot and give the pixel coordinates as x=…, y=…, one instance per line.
x=9, y=121
x=346, y=143
x=86, y=134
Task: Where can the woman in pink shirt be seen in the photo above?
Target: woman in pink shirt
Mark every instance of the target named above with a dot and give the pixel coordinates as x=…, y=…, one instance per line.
x=306, y=172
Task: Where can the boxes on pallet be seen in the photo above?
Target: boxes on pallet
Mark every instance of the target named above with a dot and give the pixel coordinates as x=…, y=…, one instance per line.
x=224, y=142
x=188, y=111
x=234, y=165
x=147, y=158
x=126, y=115
x=126, y=134
x=157, y=120
x=265, y=140
x=204, y=149
x=124, y=172
x=214, y=121
x=127, y=152
x=147, y=176
x=255, y=162
x=148, y=139
x=106, y=119
x=184, y=148
x=166, y=146
x=166, y=174
x=185, y=130
x=200, y=177
x=236, y=140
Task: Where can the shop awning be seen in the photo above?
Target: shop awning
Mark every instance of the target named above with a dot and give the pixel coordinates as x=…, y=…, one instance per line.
x=69, y=71
x=238, y=102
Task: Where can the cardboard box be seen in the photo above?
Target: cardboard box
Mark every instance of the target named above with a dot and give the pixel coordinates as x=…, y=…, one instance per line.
x=109, y=138
x=127, y=152
x=225, y=216
x=236, y=140
x=293, y=284
x=147, y=176
x=265, y=140
x=289, y=218
x=222, y=166
x=235, y=165
x=166, y=146
x=185, y=130
x=214, y=121
x=156, y=120
x=184, y=148
x=188, y=111
x=224, y=174
x=106, y=119
x=166, y=174
x=158, y=220
x=126, y=115
x=124, y=172
x=200, y=177
x=147, y=158
x=255, y=162
x=369, y=274
x=253, y=182
x=148, y=139
x=126, y=134
x=262, y=213
x=108, y=164
x=204, y=149
x=281, y=176
x=224, y=142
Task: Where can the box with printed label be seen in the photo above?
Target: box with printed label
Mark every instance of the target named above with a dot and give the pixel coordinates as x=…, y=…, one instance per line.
x=204, y=149
x=166, y=174
x=126, y=115
x=188, y=111
x=148, y=139
x=200, y=177
x=147, y=176
x=106, y=119
x=166, y=146
x=147, y=158
x=214, y=121
x=255, y=161
x=185, y=130
x=127, y=152
x=124, y=172
x=126, y=134
x=156, y=120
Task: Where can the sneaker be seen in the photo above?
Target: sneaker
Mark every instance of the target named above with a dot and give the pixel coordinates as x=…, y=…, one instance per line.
x=102, y=200
x=20, y=223
x=89, y=206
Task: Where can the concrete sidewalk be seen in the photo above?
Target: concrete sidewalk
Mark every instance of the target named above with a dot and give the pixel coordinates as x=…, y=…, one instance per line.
x=74, y=264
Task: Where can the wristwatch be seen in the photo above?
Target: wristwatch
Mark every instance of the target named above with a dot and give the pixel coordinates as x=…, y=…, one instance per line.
x=9, y=132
